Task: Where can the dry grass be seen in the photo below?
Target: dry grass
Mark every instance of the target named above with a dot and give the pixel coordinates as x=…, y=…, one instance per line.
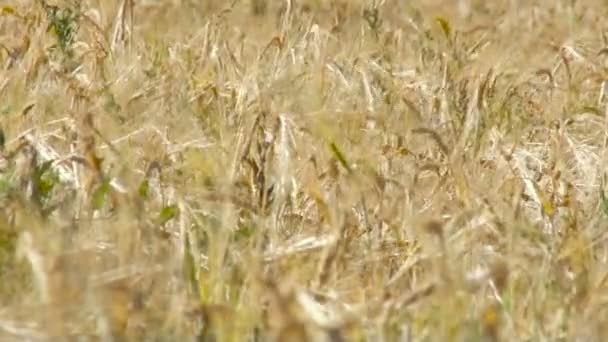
x=303, y=170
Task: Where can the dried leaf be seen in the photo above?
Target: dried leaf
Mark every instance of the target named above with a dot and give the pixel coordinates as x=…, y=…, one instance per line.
x=445, y=26
x=340, y=157
x=2, y=139
x=8, y=10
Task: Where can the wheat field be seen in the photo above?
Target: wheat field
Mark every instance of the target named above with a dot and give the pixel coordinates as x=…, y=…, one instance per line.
x=303, y=170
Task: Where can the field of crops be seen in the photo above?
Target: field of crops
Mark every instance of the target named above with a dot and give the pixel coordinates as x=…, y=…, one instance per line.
x=303, y=170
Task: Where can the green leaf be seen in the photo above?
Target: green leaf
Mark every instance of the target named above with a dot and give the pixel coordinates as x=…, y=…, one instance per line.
x=604, y=202
x=63, y=24
x=167, y=213
x=101, y=194
x=2, y=139
x=244, y=232
x=190, y=271
x=44, y=181
x=5, y=185
x=340, y=156
x=445, y=26
x=144, y=189
x=45, y=186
